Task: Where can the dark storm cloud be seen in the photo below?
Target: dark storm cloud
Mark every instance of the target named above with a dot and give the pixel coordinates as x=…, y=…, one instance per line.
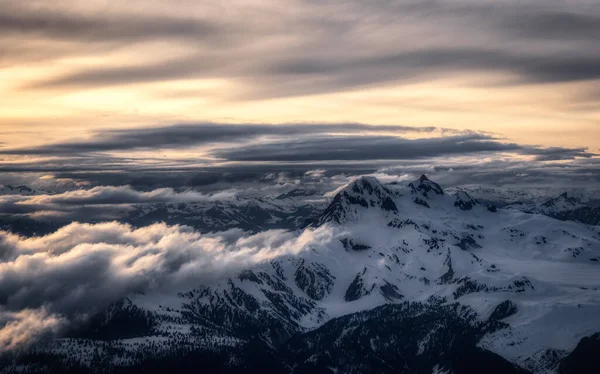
x=554, y=25
x=253, y=151
x=185, y=135
x=558, y=153
x=387, y=148
x=104, y=28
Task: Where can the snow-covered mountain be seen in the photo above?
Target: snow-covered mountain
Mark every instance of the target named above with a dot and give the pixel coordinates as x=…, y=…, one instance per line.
x=528, y=195
x=290, y=211
x=402, y=279
x=286, y=211
x=565, y=208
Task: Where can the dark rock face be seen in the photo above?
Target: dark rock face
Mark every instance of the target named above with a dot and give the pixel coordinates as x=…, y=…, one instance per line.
x=505, y=309
x=357, y=288
x=423, y=186
x=585, y=358
x=349, y=244
x=18, y=190
x=449, y=274
x=562, y=199
x=395, y=338
x=568, y=208
x=585, y=214
x=390, y=292
x=314, y=279
x=421, y=202
x=468, y=285
x=28, y=226
x=397, y=223
x=121, y=320
x=249, y=276
x=398, y=338
x=464, y=201
x=467, y=242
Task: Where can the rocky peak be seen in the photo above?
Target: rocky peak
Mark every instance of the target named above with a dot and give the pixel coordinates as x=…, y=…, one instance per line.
x=362, y=193
x=425, y=187
x=563, y=200
x=464, y=201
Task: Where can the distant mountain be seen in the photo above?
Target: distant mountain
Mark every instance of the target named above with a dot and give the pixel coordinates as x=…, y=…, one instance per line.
x=564, y=208
x=17, y=190
x=288, y=211
x=527, y=195
x=412, y=280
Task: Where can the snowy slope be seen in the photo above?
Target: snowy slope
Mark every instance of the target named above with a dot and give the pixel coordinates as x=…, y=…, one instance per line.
x=525, y=288
x=564, y=207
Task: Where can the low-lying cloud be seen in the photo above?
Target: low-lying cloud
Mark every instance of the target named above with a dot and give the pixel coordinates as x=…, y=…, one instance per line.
x=100, y=201
x=50, y=281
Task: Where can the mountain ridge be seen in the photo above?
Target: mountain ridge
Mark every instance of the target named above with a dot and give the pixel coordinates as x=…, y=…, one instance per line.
x=374, y=261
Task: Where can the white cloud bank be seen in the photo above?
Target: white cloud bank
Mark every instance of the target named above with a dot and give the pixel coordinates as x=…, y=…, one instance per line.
x=47, y=282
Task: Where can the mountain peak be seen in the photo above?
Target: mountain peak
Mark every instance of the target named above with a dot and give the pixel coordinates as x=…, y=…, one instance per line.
x=365, y=192
x=465, y=201
x=562, y=201
x=365, y=184
x=424, y=186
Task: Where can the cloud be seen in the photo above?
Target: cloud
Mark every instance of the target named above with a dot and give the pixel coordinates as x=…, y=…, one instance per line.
x=284, y=143
x=358, y=148
x=223, y=157
x=187, y=135
x=22, y=327
x=47, y=282
x=559, y=153
x=300, y=76
x=101, y=202
x=19, y=19
x=118, y=195
x=354, y=46
x=567, y=25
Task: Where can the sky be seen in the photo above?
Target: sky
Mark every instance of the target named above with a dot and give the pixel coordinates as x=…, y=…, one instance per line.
x=175, y=85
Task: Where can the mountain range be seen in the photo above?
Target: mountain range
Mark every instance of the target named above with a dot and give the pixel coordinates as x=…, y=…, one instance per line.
x=394, y=278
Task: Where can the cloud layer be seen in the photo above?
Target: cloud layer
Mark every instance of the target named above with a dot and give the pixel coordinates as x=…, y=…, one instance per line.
x=48, y=281
x=298, y=142
x=188, y=135
x=362, y=46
